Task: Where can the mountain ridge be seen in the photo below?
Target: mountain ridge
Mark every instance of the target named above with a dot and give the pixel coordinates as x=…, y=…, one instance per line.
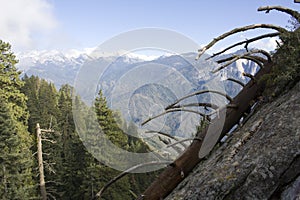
x=123, y=76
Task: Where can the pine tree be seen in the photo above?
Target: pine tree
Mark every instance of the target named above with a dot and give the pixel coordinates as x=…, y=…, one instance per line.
x=76, y=174
x=73, y=152
x=15, y=156
x=30, y=89
x=108, y=123
x=43, y=109
x=47, y=101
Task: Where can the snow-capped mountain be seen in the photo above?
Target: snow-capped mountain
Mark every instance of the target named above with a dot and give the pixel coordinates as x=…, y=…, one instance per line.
x=61, y=67
x=138, y=85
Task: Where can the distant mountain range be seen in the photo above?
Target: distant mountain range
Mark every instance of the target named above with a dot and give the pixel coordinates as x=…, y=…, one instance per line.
x=142, y=86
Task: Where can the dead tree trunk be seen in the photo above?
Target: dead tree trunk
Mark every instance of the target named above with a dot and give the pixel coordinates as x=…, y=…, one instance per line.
x=40, y=162
x=178, y=170
x=233, y=112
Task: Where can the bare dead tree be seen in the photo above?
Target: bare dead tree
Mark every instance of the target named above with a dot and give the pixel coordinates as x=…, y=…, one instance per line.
x=178, y=169
x=171, y=176
x=40, y=159
x=251, y=91
x=40, y=162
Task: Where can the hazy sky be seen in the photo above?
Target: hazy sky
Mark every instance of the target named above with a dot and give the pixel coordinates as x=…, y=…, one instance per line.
x=65, y=24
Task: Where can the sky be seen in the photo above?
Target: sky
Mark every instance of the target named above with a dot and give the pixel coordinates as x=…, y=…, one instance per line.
x=78, y=24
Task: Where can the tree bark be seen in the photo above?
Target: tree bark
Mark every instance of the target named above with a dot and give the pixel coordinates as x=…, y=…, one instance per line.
x=40, y=162
x=182, y=166
x=291, y=12
x=260, y=160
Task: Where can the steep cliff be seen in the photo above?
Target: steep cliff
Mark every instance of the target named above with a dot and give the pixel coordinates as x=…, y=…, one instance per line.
x=260, y=160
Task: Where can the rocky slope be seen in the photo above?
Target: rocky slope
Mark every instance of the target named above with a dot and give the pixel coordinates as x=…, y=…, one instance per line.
x=261, y=160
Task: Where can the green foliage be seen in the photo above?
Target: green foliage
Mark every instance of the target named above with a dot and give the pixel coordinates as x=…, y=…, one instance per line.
x=108, y=122
x=73, y=154
x=11, y=83
x=203, y=124
x=42, y=102
x=286, y=69
x=15, y=141
x=30, y=89
x=15, y=160
x=98, y=174
x=70, y=171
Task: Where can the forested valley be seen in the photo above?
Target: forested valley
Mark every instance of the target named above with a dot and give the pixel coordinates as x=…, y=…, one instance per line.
x=44, y=157
x=70, y=171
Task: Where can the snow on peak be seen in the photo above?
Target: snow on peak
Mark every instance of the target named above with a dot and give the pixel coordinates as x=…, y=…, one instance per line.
x=75, y=53
x=141, y=56
x=76, y=57
x=79, y=55
x=239, y=65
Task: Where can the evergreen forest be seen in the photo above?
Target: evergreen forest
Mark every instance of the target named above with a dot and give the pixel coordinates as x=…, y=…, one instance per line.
x=70, y=171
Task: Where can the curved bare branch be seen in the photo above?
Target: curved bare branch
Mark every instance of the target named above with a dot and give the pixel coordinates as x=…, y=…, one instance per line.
x=291, y=12
x=236, y=81
x=167, y=135
x=258, y=60
x=162, y=133
x=167, y=142
x=210, y=105
x=246, y=42
x=249, y=76
x=98, y=195
x=234, y=59
x=237, y=30
x=184, y=140
x=248, y=53
x=173, y=110
x=247, y=56
x=197, y=93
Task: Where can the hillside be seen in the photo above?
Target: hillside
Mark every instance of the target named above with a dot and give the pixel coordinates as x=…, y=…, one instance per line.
x=261, y=160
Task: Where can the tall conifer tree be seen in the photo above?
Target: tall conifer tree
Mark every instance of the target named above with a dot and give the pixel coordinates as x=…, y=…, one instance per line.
x=15, y=156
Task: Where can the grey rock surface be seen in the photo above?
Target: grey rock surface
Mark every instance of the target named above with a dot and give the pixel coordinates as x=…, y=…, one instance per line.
x=261, y=160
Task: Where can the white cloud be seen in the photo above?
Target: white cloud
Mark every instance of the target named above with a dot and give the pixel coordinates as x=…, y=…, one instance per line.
x=24, y=21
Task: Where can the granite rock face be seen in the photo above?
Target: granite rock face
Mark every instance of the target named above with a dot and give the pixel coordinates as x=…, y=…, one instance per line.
x=261, y=160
